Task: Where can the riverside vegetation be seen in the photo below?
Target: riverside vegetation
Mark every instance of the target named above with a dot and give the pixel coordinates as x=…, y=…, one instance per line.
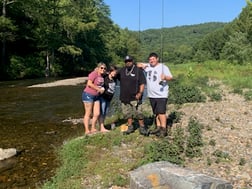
x=104, y=160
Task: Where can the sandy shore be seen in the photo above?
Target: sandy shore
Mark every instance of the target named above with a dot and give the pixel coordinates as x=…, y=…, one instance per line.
x=72, y=81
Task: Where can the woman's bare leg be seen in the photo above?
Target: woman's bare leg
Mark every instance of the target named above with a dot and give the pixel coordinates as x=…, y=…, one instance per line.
x=102, y=126
x=88, y=109
x=96, y=113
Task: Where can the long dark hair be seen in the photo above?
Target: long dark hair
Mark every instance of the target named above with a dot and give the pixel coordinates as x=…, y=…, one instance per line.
x=112, y=68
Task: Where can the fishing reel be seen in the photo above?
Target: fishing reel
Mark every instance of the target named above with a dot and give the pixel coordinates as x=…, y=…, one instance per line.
x=162, y=83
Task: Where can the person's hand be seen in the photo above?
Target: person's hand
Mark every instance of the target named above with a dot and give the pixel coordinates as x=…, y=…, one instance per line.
x=101, y=90
x=138, y=96
x=163, y=77
x=142, y=65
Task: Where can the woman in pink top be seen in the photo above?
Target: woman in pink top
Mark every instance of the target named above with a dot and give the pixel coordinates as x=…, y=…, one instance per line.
x=91, y=97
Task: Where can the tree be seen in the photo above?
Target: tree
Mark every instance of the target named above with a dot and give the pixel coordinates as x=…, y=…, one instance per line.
x=7, y=32
x=237, y=49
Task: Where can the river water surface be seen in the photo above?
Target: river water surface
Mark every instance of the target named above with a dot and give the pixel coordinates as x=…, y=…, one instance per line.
x=31, y=121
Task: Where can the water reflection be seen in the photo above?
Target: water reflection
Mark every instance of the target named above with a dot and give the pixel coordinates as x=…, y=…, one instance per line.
x=31, y=121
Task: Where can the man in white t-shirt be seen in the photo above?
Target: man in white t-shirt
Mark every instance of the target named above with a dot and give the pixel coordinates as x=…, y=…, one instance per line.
x=157, y=77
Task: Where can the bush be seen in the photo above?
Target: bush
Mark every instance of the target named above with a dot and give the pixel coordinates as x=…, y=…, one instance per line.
x=185, y=94
x=28, y=67
x=163, y=150
x=195, y=140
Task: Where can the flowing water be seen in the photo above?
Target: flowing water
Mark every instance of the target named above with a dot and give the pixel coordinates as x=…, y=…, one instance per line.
x=31, y=121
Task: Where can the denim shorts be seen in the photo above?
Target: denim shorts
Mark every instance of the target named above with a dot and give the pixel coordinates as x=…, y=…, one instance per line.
x=86, y=97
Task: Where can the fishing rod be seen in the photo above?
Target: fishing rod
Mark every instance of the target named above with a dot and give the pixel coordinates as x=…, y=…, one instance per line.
x=162, y=43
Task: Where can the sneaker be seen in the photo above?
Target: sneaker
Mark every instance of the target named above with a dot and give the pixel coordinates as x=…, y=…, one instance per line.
x=143, y=131
x=130, y=130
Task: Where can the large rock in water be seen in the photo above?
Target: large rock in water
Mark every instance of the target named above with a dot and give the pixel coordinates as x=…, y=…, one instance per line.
x=165, y=175
x=7, y=153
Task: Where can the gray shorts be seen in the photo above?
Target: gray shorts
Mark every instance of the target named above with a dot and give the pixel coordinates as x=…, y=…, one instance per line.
x=132, y=110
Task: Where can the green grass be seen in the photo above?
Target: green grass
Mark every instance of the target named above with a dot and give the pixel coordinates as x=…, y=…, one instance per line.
x=236, y=76
x=101, y=159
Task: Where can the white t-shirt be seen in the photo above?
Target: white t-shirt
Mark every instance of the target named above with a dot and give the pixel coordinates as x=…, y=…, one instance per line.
x=153, y=78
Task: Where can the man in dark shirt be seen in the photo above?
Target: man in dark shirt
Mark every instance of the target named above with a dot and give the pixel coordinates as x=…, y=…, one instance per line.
x=132, y=83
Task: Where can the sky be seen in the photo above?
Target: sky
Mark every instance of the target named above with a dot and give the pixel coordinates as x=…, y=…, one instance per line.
x=154, y=14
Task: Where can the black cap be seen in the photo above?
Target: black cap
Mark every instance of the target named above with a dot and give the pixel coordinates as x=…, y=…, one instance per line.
x=128, y=58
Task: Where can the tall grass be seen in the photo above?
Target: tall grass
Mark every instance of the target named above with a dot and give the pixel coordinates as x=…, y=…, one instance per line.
x=233, y=75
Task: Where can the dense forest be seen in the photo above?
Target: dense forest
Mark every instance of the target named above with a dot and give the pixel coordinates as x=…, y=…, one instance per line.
x=69, y=37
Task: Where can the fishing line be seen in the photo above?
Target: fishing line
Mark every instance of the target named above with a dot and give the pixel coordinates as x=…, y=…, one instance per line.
x=162, y=43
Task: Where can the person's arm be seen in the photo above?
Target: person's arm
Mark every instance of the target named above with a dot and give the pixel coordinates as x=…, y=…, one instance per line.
x=140, y=92
x=166, y=77
x=142, y=65
x=95, y=87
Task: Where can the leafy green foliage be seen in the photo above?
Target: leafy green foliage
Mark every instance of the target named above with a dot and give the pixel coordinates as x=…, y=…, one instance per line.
x=242, y=161
x=71, y=37
x=221, y=156
x=175, y=150
x=28, y=67
x=185, y=94
x=195, y=140
x=248, y=95
x=7, y=29
x=174, y=117
x=163, y=150
x=212, y=142
x=215, y=96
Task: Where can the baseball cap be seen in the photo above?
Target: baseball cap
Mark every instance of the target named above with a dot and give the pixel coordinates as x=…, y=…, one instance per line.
x=128, y=58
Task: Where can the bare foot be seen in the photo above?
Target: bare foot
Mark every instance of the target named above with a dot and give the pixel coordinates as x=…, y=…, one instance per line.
x=93, y=131
x=87, y=133
x=105, y=130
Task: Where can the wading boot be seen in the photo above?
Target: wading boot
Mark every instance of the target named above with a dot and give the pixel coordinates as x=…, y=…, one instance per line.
x=130, y=130
x=155, y=131
x=162, y=133
x=143, y=131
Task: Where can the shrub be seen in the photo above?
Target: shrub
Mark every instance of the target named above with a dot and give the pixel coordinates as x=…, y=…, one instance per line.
x=163, y=150
x=186, y=94
x=195, y=140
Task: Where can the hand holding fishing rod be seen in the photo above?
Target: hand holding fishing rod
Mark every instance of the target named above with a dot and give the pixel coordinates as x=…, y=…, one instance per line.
x=163, y=79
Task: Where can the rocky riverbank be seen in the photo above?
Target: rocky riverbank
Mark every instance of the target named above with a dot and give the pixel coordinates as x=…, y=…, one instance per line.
x=228, y=125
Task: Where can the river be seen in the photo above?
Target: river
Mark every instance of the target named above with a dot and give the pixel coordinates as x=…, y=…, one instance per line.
x=31, y=120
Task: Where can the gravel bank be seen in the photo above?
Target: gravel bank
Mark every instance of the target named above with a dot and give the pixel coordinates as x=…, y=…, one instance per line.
x=73, y=81
x=228, y=123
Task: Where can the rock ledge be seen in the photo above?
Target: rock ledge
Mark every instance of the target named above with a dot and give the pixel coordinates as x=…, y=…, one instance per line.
x=164, y=175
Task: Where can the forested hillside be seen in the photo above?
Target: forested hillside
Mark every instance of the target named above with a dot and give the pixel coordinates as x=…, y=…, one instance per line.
x=177, y=38
x=68, y=38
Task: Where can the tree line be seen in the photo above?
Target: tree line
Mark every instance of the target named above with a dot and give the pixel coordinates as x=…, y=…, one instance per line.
x=69, y=37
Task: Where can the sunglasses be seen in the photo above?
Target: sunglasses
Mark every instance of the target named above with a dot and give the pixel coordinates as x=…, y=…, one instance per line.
x=103, y=68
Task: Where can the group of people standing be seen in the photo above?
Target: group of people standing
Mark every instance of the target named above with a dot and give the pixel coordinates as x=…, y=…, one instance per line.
x=133, y=78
